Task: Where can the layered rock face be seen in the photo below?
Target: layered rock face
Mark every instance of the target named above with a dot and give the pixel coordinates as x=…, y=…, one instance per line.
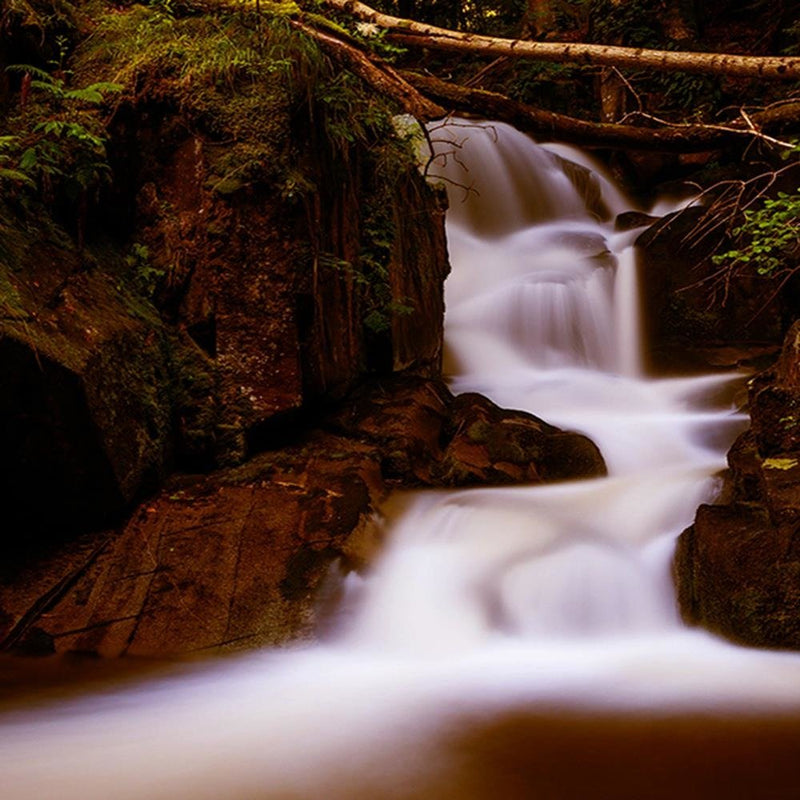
x=737, y=568
x=274, y=293
x=236, y=559
x=103, y=397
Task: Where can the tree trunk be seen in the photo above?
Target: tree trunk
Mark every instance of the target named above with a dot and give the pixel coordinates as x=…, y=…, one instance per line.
x=611, y=89
x=679, y=21
x=676, y=138
x=540, y=20
x=416, y=34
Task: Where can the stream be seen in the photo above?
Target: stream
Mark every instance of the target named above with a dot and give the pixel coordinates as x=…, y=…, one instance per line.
x=537, y=604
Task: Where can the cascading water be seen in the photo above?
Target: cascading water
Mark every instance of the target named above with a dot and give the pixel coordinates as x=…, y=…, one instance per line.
x=486, y=601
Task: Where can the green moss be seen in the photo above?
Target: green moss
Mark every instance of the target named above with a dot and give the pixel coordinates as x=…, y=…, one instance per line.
x=234, y=75
x=780, y=463
x=479, y=432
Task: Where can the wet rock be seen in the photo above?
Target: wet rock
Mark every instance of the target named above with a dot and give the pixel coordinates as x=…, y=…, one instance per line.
x=737, y=568
x=226, y=562
x=630, y=220
x=587, y=185
x=427, y=437
x=739, y=575
x=490, y=445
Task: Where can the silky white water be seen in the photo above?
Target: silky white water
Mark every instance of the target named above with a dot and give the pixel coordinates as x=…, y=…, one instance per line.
x=484, y=600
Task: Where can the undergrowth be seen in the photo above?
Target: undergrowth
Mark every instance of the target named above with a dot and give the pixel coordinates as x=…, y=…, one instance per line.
x=254, y=91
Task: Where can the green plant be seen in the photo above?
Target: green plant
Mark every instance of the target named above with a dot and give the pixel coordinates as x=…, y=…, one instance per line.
x=769, y=237
x=62, y=144
x=8, y=147
x=144, y=275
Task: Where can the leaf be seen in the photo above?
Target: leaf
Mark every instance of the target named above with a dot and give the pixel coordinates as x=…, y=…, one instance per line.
x=29, y=159
x=16, y=175
x=34, y=72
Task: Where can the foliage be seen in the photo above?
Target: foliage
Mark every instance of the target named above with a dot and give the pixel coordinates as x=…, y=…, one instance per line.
x=634, y=23
x=233, y=75
x=768, y=238
x=61, y=142
x=560, y=87
x=143, y=274
x=8, y=148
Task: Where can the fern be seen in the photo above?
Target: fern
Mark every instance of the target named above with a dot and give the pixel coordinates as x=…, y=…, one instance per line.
x=34, y=72
x=16, y=175
x=93, y=94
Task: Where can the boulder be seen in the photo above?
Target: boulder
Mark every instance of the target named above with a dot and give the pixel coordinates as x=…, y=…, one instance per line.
x=739, y=575
x=226, y=562
x=737, y=568
x=490, y=445
x=630, y=220
x=430, y=438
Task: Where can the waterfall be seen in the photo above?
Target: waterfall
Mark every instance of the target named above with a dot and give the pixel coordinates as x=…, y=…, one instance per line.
x=485, y=601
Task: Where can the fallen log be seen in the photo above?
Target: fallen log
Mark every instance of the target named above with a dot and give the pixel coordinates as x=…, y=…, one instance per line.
x=417, y=34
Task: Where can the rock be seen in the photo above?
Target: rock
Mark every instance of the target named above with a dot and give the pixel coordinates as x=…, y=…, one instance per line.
x=587, y=185
x=737, y=568
x=221, y=563
x=427, y=437
x=775, y=401
x=630, y=220
x=739, y=575
x=235, y=559
x=404, y=417
x=417, y=270
x=272, y=300
x=85, y=415
x=686, y=310
x=490, y=445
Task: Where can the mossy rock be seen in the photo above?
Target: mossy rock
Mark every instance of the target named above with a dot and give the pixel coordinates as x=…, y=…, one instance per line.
x=85, y=419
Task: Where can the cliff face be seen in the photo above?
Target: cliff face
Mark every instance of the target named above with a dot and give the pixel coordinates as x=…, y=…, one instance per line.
x=258, y=250
x=284, y=297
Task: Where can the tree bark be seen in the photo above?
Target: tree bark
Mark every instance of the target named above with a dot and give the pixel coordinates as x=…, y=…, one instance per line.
x=417, y=34
x=540, y=19
x=676, y=138
x=428, y=98
x=679, y=21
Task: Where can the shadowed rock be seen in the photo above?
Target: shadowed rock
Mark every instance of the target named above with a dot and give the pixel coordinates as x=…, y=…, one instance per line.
x=235, y=559
x=430, y=438
x=737, y=569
